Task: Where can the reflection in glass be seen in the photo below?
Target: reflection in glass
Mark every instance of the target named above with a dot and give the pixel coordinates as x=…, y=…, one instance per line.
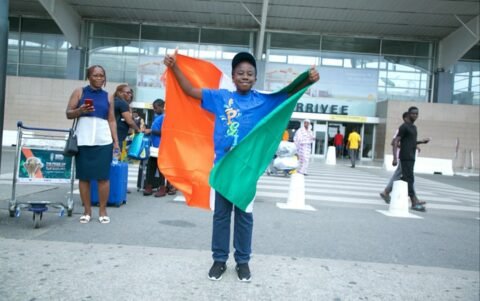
x=319, y=143
x=118, y=57
x=37, y=55
x=404, y=79
x=466, y=83
x=367, y=144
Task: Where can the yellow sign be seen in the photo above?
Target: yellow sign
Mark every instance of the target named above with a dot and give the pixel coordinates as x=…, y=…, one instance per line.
x=348, y=118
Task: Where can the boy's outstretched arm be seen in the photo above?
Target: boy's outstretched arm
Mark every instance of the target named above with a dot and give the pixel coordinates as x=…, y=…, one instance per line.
x=170, y=62
x=313, y=77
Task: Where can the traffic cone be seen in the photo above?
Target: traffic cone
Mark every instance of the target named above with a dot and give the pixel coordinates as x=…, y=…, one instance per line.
x=331, y=156
x=296, y=194
x=399, y=201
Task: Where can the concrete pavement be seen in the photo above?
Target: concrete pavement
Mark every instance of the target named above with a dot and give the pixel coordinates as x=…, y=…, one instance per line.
x=158, y=249
x=50, y=270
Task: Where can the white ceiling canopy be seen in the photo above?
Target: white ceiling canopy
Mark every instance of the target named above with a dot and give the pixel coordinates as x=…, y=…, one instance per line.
x=406, y=19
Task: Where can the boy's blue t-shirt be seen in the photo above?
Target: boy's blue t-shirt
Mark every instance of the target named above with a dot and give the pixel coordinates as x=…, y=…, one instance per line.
x=157, y=126
x=236, y=114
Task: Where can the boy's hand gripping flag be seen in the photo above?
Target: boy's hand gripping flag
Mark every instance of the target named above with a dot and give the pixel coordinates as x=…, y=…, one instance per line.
x=186, y=150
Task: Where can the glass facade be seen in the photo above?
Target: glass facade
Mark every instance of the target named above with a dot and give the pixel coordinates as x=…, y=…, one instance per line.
x=466, y=78
x=132, y=53
x=404, y=68
x=118, y=57
x=37, y=48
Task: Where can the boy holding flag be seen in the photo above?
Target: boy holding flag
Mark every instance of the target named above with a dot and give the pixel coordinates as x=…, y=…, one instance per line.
x=237, y=115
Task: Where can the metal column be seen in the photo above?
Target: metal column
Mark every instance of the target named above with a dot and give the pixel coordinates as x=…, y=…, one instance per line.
x=3, y=64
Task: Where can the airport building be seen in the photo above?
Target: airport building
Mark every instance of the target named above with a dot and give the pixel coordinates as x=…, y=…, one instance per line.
x=375, y=58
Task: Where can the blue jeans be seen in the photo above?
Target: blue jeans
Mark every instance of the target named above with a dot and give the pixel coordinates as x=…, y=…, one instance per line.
x=242, y=231
x=339, y=149
x=397, y=175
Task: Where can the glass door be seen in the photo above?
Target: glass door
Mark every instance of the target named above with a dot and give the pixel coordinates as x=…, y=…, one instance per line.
x=368, y=137
x=319, y=145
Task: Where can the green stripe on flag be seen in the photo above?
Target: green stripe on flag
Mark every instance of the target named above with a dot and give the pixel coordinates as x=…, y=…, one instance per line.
x=236, y=175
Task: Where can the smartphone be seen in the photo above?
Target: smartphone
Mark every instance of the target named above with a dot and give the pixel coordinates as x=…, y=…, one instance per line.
x=89, y=102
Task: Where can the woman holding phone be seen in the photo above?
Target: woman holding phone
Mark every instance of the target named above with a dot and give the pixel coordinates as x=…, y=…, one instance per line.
x=97, y=138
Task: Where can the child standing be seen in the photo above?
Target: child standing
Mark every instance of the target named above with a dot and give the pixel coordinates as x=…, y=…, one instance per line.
x=236, y=114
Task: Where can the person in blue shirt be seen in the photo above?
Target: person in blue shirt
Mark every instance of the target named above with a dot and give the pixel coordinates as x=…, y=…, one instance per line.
x=155, y=135
x=236, y=114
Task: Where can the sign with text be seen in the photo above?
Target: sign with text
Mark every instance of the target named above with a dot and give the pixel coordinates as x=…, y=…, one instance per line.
x=340, y=91
x=43, y=166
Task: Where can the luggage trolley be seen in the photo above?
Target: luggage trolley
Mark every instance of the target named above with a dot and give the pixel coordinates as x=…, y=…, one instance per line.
x=39, y=160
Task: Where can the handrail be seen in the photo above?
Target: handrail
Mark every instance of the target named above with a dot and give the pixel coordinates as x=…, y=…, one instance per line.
x=20, y=125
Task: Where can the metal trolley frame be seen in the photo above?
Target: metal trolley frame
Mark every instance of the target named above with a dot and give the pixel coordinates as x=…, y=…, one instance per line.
x=48, y=144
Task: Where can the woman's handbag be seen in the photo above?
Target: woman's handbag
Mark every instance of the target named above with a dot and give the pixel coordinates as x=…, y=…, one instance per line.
x=71, y=147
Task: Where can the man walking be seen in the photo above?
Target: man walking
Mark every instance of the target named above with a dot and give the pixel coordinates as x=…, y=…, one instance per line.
x=353, y=143
x=397, y=175
x=338, y=142
x=407, y=137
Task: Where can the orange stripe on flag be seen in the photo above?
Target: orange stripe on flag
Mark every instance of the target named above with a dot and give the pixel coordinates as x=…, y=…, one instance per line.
x=186, y=150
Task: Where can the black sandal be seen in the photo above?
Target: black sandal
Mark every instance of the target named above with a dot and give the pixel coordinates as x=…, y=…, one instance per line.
x=385, y=197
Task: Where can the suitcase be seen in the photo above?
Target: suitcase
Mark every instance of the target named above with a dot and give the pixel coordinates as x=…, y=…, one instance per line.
x=118, y=186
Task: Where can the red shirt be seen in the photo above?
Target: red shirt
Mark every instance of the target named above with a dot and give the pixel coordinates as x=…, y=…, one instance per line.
x=338, y=139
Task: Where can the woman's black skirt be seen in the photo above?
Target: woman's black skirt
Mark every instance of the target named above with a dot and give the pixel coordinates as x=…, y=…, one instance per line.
x=93, y=162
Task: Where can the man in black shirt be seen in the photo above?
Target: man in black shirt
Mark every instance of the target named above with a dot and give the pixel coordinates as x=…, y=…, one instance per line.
x=407, y=136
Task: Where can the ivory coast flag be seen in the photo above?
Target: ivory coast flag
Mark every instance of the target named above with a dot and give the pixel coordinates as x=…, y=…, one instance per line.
x=186, y=152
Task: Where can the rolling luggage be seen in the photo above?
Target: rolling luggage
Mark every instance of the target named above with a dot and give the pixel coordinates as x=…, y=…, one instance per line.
x=118, y=186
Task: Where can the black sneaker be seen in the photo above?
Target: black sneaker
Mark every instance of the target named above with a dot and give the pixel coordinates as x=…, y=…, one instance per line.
x=217, y=270
x=243, y=272
x=418, y=207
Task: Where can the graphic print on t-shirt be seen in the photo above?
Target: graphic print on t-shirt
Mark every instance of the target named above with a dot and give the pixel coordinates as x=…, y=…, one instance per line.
x=232, y=124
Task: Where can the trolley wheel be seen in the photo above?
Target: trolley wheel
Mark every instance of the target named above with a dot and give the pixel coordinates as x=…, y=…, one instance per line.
x=37, y=217
x=69, y=212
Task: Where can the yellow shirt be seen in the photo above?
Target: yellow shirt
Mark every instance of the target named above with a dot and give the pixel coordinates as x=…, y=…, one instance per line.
x=354, y=140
